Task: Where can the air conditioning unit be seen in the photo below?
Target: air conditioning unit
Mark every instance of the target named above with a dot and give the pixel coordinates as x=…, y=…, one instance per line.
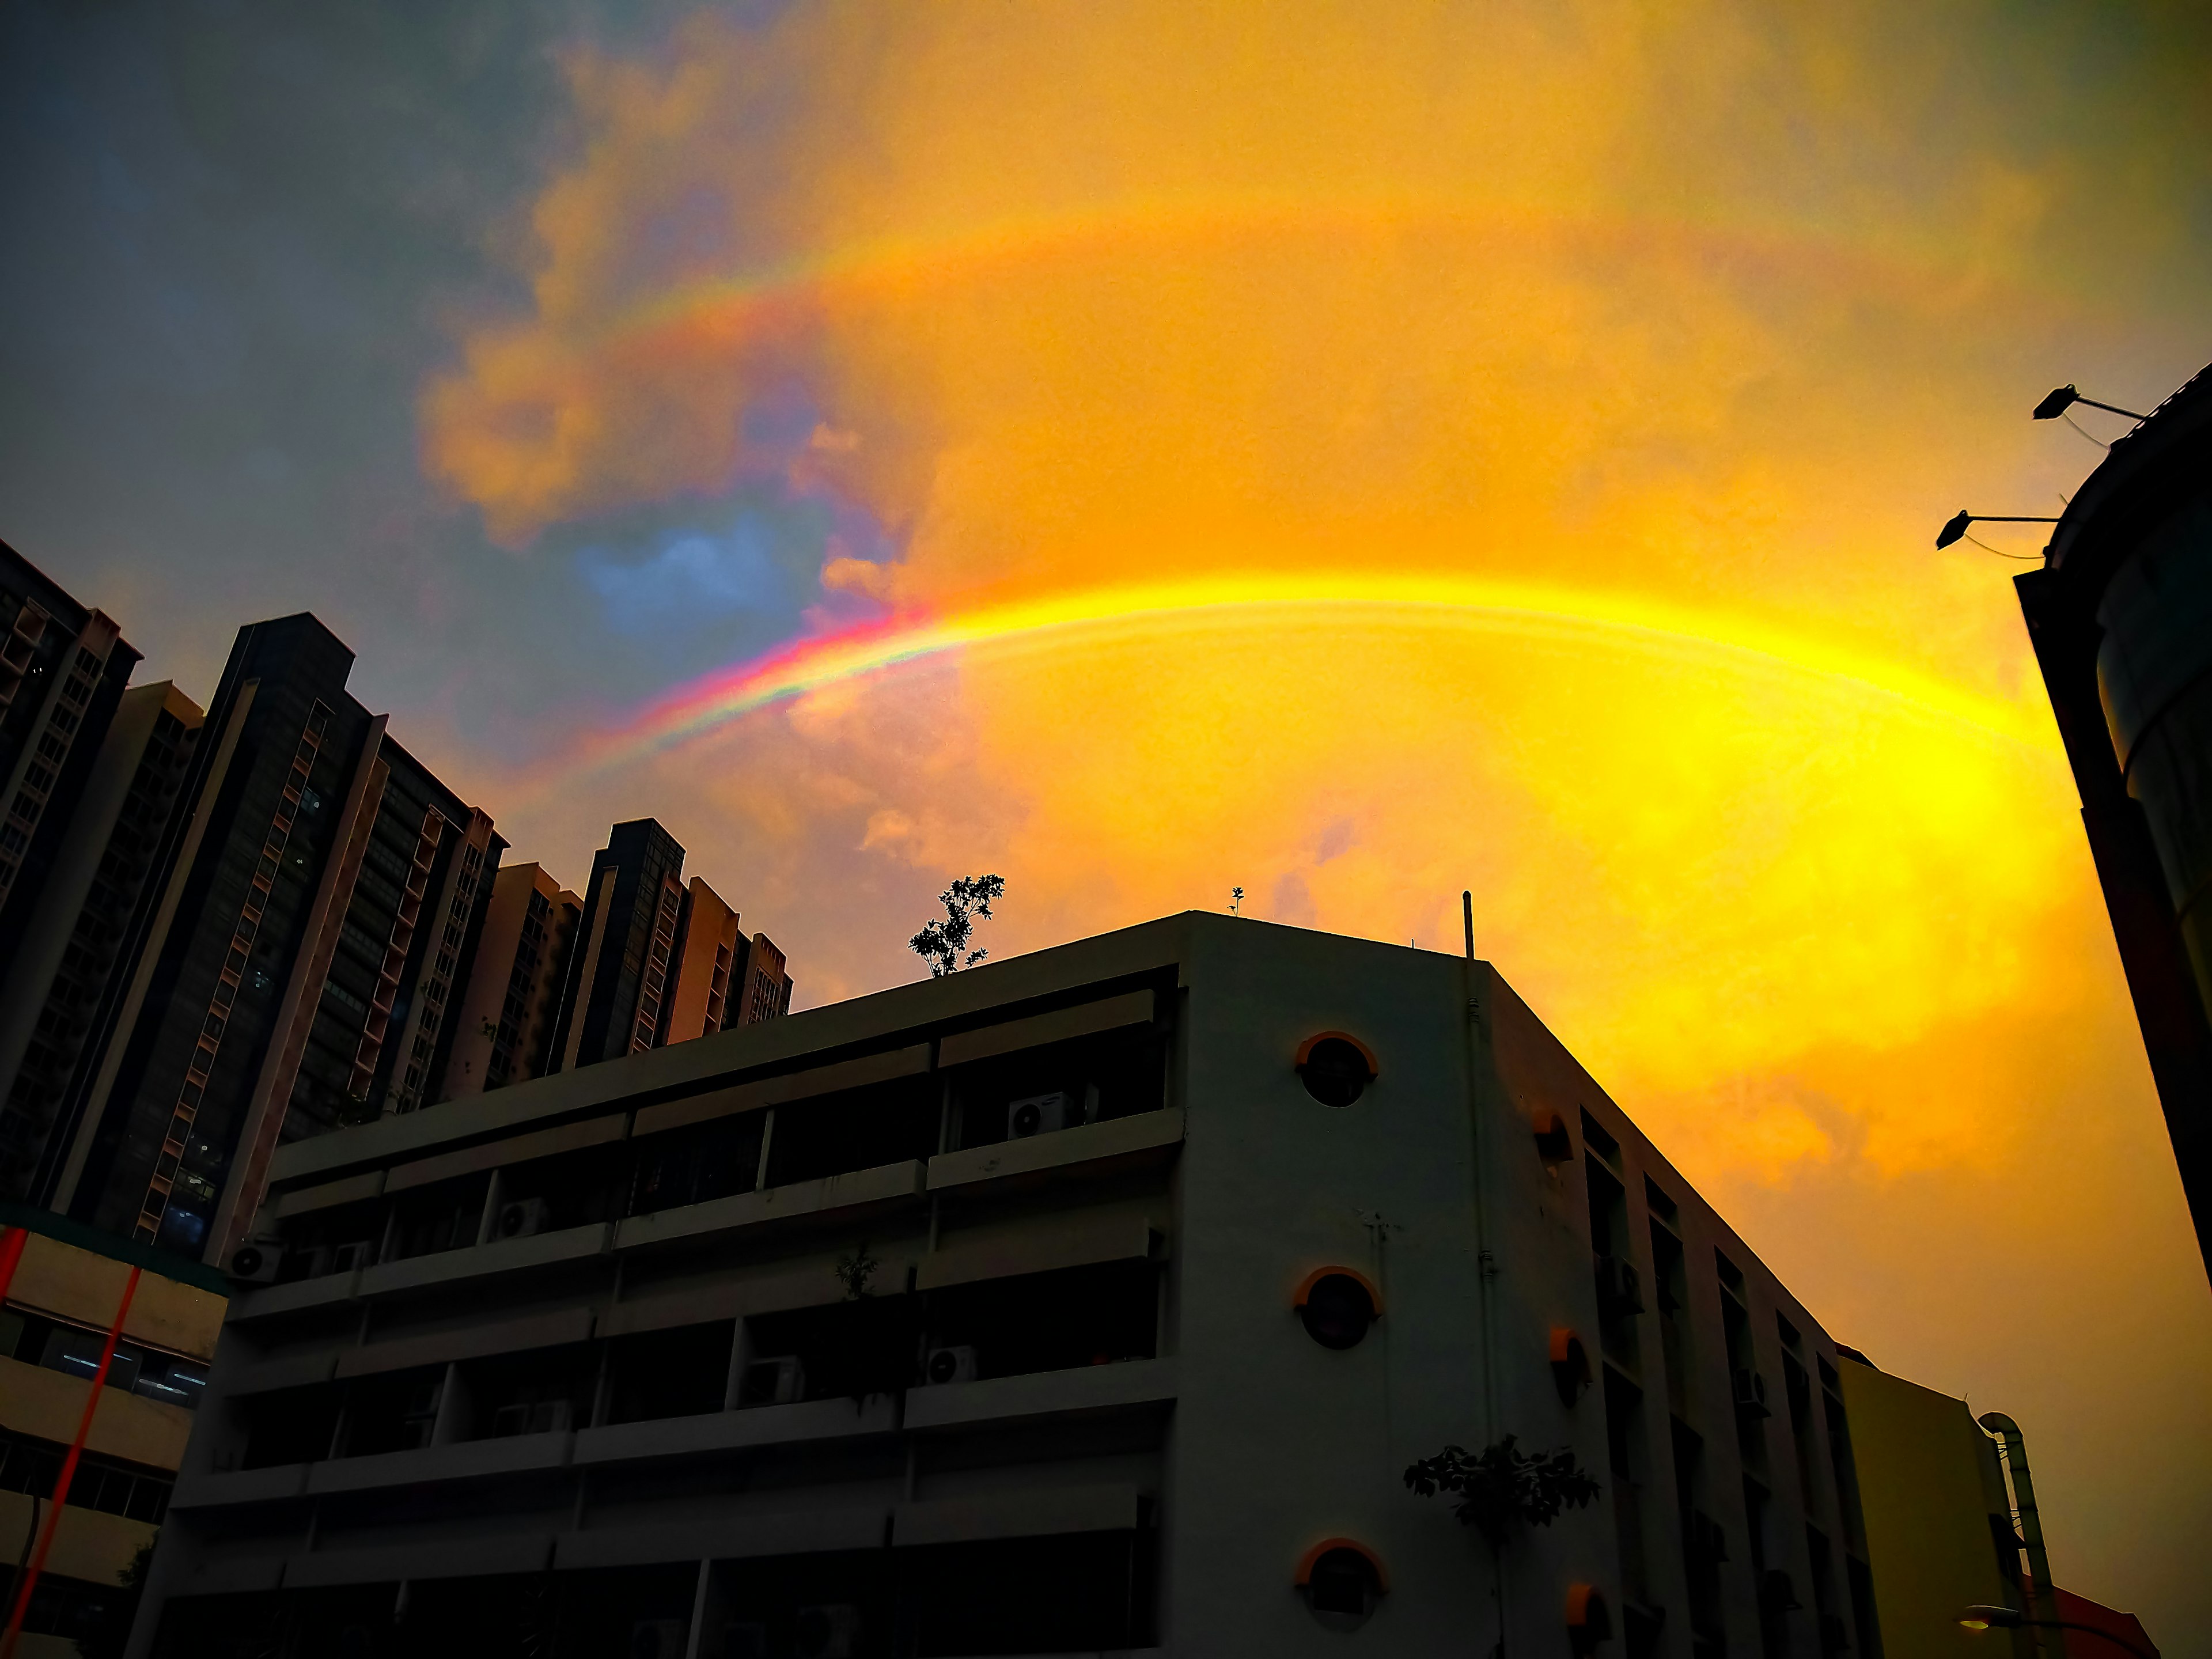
x=510, y=1421
x=552, y=1417
x=1036, y=1115
x=256, y=1261
x=952, y=1364
x=829, y=1631
x=1619, y=1289
x=744, y=1640
x=779, y=1381
x=1750, y=1391
x=519, y=1219
x=657, y=1639
x=362, y=1253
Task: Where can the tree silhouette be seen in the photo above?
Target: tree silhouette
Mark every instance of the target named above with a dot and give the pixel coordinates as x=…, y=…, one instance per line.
x=1504, y=1487
x=944, y=944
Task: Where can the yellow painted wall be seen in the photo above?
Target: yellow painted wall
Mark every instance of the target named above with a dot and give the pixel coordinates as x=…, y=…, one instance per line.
x=50, y=1404
x=87, y=1545
x=1928, y=1484
x=61, y=1279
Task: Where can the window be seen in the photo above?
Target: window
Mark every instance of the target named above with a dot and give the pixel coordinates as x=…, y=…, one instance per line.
x=1342, y=1582
x=1335, y=1068
x=1337, y=1306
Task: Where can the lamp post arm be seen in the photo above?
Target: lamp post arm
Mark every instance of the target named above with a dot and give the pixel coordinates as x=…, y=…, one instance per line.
x=2110, y=408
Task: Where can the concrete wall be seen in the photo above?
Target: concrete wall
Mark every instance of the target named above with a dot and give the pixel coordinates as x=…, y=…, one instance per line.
x=1248, y=1440
x=1929, y=1483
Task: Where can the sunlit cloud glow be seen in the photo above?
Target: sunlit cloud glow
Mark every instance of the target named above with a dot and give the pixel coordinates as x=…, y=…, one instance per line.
x=1356, y=455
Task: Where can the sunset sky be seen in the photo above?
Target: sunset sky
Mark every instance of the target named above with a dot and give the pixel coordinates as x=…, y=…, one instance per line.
x=1350, y=453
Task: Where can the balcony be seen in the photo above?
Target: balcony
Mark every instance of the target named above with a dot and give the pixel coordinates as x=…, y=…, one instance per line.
x=1089, y=1148
x=1083, y=1391
x=836, y=1195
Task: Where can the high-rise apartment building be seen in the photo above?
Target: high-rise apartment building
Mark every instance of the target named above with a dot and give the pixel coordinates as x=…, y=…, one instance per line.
x=764, y=987
x=59, y=988
x=648, y=961
x=709, y=950
x=513, y=1003
x=1094, y=1300
x=312, y=928
x=63, y=668
x=624, y=964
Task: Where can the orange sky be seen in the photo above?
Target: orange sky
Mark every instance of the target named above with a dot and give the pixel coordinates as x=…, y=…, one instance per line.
x=1726, y=311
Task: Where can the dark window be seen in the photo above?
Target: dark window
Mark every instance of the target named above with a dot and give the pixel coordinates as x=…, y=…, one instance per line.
x=396, y=1411
x=291, y=1425
x=684, y=1372
x=1338, y=1311
x=692, y=1165
x=541, y=1391
x=1342, y=1586
x=1116, y=1074
x=1335, y=1072
x=845, y=1350
x=858, y=1129
x=1052, y=1320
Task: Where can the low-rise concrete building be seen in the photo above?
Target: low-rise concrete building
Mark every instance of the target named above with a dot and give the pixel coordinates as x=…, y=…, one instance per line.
x=1093, y=1301
x=61, y=1300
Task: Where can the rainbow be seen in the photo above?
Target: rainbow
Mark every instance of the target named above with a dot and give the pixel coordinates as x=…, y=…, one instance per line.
x=1466, y=603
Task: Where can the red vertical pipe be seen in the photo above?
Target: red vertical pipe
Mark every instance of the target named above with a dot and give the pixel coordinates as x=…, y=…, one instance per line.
x=69, y=1470
x=11, y=1252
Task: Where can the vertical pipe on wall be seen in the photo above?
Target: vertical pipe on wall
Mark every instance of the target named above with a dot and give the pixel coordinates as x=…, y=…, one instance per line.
x=2042, y=1603
x=1486, y=1259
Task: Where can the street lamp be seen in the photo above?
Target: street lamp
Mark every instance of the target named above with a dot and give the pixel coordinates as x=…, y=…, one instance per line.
x=1957, y=527
x=2066, y=397
x=1983, y=1617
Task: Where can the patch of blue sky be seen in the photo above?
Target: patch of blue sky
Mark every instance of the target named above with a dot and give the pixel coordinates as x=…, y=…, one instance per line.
x=758, y=568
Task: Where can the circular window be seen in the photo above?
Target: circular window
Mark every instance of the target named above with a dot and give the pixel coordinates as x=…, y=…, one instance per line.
x=1336, y=1306
x=1341, y=1581
x=1336, y=1069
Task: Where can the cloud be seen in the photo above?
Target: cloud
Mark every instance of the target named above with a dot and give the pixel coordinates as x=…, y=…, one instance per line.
x=1713, y=306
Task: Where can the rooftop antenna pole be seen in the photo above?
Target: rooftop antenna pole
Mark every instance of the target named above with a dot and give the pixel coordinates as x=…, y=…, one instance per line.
x=1467, y=920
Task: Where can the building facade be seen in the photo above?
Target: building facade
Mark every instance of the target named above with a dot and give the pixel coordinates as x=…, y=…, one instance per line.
x=2121, y=619
x=1093, y=1301
x=513, y=1004
x=624, y=964
x=59, y=987
x=56, y=1305
x=312, y=924
x=1930, y=1503
x=709, y=950
x=763, y=986
x=63, y=668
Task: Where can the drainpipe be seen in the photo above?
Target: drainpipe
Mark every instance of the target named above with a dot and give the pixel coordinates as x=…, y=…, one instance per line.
x=2043, y=1604
x=1486, y=1261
